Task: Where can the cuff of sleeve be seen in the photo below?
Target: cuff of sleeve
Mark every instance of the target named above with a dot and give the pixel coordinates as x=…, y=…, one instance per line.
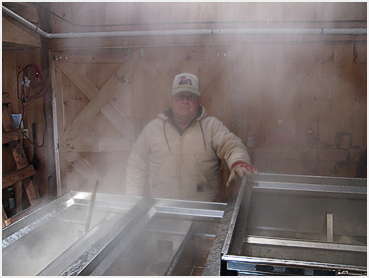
x=238, y=163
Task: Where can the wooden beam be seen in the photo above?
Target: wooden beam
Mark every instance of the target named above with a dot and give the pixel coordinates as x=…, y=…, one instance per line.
x=32, y=194
x=96, y=145
x=113, y=86
x=26, y=10
x=17, y=176
x=11, y=136
x=18, y=34
x=8, y=122
x=5, y=218
x=205, y=40
x=90, y=91
x=209, y=71
x=106, y=55
x=18, y=154
x=82, y=166
x=6, y=98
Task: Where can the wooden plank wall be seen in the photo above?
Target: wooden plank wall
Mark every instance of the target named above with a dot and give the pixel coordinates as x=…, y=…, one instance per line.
x=267, y=83
x=302, y=86
x=259, y=83
x=148, y=16
x=12, y=63
x=101, y=115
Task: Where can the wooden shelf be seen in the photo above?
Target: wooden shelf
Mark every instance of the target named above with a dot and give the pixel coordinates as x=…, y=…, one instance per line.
x=24, y=173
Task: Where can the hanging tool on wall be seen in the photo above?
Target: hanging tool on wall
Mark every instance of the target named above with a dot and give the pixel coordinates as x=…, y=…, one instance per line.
x=30, y=86
x=34, y=160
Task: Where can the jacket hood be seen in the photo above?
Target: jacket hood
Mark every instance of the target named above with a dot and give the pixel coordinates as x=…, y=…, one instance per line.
x=167, y=117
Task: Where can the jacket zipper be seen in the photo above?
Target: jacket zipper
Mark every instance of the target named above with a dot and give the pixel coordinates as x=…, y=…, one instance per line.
x=180, y=155
x=179, y=165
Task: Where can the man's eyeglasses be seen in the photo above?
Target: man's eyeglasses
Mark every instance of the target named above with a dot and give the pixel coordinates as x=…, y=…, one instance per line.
x=180, y=97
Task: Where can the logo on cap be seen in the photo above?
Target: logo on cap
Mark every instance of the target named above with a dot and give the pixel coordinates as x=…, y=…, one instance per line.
x=185, y=82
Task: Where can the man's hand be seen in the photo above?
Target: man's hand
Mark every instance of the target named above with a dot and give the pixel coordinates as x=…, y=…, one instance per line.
x=241, y=168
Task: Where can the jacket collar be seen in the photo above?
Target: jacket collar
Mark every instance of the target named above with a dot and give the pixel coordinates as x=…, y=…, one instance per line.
x=167, y=116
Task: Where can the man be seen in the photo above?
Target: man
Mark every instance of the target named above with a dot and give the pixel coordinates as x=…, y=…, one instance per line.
x=178, y=154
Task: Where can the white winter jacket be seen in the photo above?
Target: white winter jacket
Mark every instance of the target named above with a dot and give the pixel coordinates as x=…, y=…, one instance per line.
x=183, y=166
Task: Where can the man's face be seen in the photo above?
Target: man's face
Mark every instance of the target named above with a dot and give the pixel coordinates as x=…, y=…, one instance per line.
x=185, y=105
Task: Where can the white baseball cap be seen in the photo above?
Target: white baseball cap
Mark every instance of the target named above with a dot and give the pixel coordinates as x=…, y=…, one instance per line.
x=185, y=82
